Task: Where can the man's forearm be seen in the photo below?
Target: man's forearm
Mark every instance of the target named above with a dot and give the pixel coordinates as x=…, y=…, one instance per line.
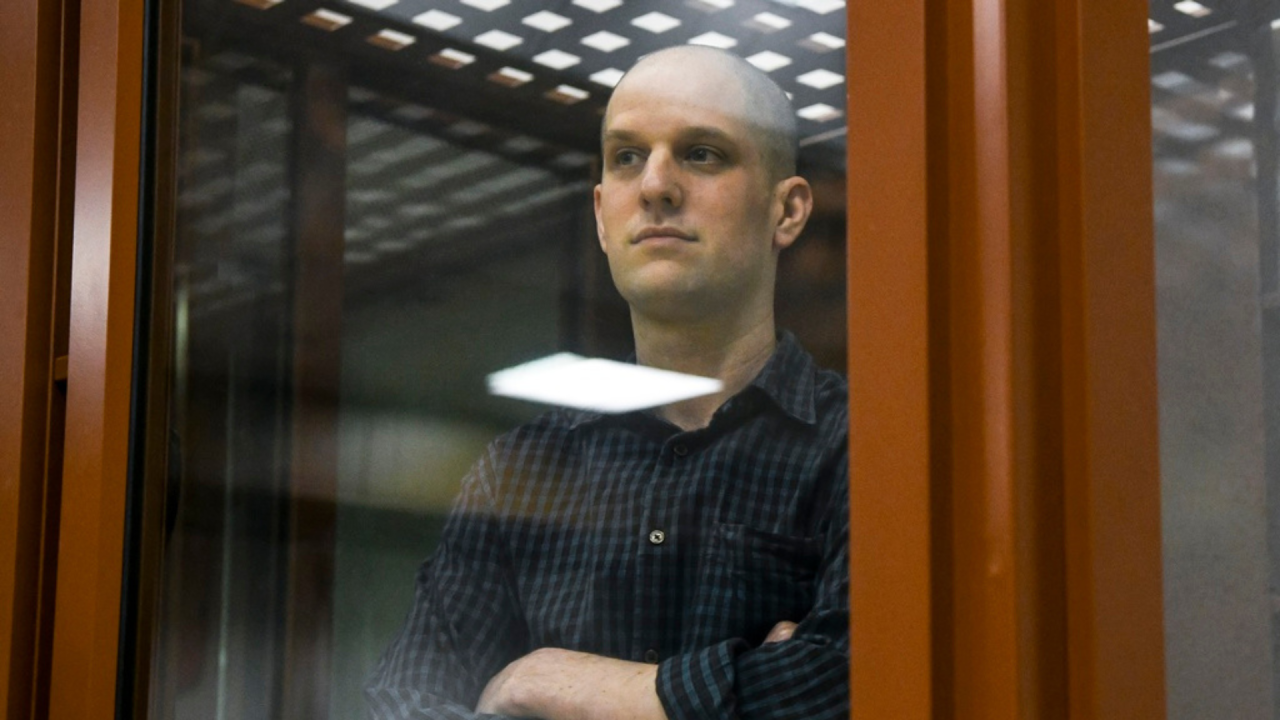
x=556, y=684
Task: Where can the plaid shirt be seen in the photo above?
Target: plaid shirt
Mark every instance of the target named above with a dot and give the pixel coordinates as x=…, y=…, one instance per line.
x=625, y=537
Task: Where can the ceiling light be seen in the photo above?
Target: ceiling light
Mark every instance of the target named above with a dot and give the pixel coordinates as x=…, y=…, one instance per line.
x=820, y=112
x=1192, y=8
x=547, y=21
x=363, y=95
x=655, y=22
x=1228, y=59
x=326, y=19
x=1236, y=148
x=608, y=77
x=822, y=7
x=1170, y=124
x=392, y=246
x=260, y=4
x=557, y=59
x=711, y=5
x=605, y=41
x=820, y=79
x=452, y=59
x=391, y=40
x=1190, y=132
x=520, y=144
x=714, y=39
x=568, y=94
x=374, y=4
x=415, y=113
x=436, y=20
x=486, y=5
x=572, y=159
x=498, y=40
x=822, y=42
x=597, y=384
x=511, y=77
x=1172, y=80
x=417, y=211
x=768, y=22
x=1153, y=26
x=598, y=6
x=769, y=61
x=467, y=129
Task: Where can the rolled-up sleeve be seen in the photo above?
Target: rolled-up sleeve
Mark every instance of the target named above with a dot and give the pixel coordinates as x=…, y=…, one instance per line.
x=805, y=677
x=465, y=624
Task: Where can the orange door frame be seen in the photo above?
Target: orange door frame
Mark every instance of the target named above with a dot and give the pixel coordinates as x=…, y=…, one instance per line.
x=37, y=132
x=1005, y=483
x=99, y=366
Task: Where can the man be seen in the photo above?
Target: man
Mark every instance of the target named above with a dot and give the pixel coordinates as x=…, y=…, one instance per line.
x=687, y=562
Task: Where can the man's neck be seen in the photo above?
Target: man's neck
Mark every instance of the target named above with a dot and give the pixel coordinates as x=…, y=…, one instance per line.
x=732, y=355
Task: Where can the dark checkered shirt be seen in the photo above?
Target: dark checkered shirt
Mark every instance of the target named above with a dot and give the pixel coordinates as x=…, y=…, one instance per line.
x=626, y=537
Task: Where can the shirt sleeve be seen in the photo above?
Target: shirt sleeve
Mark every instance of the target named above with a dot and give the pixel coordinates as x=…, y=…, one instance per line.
x=465, y=624
x=805, y=677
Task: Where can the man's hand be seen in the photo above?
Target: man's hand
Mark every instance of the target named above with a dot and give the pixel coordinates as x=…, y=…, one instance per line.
x=782, y=631
x=556, y=684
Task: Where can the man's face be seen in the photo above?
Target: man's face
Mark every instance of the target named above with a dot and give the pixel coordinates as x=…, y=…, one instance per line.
x=685, y=209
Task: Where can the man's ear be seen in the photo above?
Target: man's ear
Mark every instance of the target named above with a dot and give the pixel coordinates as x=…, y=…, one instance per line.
x=599, y=222
x=795, y=199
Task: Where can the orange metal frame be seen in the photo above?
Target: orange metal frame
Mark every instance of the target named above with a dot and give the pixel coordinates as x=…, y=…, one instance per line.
x=91, y=547
x=1005, y=494
x=890, y=541
x=1005, y=489
x=36, y=133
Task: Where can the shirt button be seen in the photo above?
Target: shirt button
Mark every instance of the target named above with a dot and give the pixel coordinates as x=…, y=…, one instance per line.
x=657, y=537
x=681, y=449
x=651, y=656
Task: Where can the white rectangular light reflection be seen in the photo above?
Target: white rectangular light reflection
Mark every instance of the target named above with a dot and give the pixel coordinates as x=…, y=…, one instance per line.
x=713, y=39
x=1192, y=8
x=597, y=384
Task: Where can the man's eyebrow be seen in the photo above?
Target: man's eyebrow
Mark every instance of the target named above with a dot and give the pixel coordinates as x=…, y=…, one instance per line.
x=697, y=132
x=619, y=136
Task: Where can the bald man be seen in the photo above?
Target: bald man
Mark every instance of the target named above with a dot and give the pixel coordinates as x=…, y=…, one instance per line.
x=684, y=562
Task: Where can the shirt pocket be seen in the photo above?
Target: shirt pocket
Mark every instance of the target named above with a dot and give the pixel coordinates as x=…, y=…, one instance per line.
x=770, y=577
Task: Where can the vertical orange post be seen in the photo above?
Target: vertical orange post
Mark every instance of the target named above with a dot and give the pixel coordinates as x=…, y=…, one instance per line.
x=1112, y=479
x=1005, y=491
x=889, y=443
x=36, y=136
x=91, y=547
x=30, y=128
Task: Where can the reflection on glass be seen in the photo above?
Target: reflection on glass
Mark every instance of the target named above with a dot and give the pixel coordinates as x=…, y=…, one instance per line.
x=1214, y=85
x=380, y=204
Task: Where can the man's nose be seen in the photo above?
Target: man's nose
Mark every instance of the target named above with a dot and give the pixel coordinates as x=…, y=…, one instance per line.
x=660, y=183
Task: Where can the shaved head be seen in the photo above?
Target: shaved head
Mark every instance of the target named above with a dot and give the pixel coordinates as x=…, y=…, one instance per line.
x=764, y=106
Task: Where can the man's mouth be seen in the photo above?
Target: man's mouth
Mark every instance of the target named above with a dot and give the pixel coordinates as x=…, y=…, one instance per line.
x=663, y=232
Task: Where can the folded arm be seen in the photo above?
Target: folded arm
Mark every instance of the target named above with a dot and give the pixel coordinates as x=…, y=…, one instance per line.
x=800, y=672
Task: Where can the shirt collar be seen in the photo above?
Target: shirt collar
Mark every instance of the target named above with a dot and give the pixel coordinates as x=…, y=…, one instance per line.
x=787, y=379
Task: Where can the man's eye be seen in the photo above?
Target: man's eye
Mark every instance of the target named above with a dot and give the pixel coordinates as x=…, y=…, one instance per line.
x=626, y=157
x=703, y=155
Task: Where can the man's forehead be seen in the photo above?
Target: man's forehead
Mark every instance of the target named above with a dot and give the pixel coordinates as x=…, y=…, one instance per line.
x=682, y=73
x=625, y=132
x=663, y=89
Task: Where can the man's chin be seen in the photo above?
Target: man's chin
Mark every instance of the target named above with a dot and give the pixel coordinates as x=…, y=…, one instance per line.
x=669, y=300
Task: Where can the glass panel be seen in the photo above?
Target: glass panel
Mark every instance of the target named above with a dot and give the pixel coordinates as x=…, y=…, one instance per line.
x=380, y=205
x=1214, y=84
